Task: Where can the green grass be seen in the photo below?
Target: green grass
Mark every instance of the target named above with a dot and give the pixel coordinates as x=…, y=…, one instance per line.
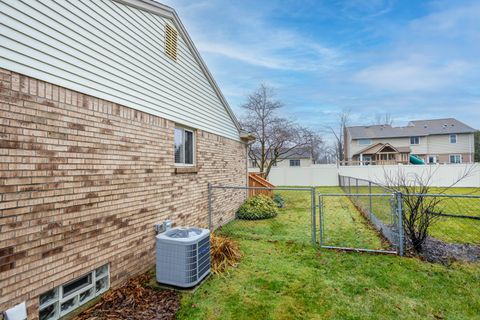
x=448, y=229
x=283, y=277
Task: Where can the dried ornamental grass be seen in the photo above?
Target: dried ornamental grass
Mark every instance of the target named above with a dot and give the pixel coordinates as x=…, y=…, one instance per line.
x=224, y=253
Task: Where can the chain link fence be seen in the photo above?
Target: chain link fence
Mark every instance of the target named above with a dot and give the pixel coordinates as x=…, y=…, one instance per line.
x=295, y=220
x=455, y=218
x=379, y=205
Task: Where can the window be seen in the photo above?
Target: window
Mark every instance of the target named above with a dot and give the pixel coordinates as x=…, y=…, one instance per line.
x=453, y=138
x=171, y=41
x=365, y=142
x=184, y=146
x=77, y=284
x=253, y=163
x=455, y=158
x=63, y=299
x=367, y=159
x=414, y=140
x=295, y=163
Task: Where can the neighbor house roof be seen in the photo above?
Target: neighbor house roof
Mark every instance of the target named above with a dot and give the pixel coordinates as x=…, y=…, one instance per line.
x=376, y=148
x=414, y=128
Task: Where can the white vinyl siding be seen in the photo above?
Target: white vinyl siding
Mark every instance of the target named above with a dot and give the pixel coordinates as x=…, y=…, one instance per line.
x=364, y=142
x=433, y=144
x=114, y=52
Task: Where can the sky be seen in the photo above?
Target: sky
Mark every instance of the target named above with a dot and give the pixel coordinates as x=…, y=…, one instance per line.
x=412, y=59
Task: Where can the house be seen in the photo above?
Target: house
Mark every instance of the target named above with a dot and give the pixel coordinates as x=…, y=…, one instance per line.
x=297, y=157
x=431, y=141
x=110, y=122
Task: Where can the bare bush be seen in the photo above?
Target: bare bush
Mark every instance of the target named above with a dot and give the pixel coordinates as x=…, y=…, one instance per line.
x=419, y=210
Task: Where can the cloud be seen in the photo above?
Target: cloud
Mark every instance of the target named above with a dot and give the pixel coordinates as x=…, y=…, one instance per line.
x=412, y=75
x=435, y=52
x=291, y=53
x=365, y=9
x=413, y=59
x=250, y=36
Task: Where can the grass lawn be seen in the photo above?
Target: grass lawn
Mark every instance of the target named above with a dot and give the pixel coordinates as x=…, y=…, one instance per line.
x=457, y=230
x=283, y=277
x=448, y=229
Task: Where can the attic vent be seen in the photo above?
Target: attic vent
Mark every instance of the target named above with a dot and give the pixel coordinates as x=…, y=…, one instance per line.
x=171, y=41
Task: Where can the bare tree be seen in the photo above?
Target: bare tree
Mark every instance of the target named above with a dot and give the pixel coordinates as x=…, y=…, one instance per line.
x=315, y=146
x=327, y=153
x=275, y=136
x=421, y=208
x=385, y=119
x=338, y=131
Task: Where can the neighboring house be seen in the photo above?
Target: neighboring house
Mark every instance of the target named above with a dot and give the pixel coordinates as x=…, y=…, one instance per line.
x=110, y=122
x=433, y=141
x=298, y=157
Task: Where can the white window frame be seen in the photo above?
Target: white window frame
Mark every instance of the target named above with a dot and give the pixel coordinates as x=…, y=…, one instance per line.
x=364, y=144
x=415, y=140
x=299, y=163
x=59, y=299
x=194, y=149
x=451, y=136
x=460, y=158
x=434, y=157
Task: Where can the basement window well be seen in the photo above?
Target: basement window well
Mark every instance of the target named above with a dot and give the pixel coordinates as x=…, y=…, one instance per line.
x=65, y=298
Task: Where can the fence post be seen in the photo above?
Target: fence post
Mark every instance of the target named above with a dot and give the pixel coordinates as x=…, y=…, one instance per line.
x=314, y=214
x=356, y=189
x=370, y=199
x=400, y=223
x=210, y=219
x=320, y=217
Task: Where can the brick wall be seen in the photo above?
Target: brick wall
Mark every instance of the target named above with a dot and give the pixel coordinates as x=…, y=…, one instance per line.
x=83, y=180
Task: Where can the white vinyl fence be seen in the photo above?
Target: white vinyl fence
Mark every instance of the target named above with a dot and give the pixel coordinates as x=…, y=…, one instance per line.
x=327, y=175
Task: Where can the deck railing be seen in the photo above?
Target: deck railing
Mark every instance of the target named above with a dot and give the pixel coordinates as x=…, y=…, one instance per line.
x=256, y=179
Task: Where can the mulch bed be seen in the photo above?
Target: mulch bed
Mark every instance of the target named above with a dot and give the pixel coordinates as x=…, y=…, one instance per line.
x=134, y=300
x=434, y=250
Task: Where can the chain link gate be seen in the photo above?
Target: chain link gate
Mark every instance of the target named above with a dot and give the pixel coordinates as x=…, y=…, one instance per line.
x=369, y=222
